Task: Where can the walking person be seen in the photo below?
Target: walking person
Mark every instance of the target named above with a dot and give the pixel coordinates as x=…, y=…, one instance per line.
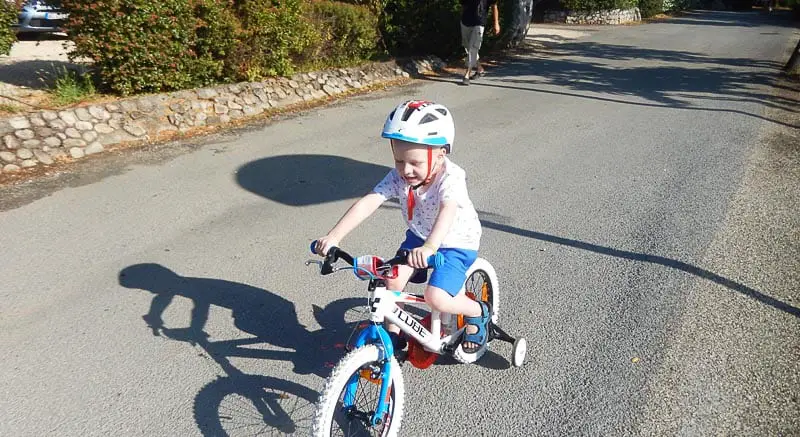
x=473, y=18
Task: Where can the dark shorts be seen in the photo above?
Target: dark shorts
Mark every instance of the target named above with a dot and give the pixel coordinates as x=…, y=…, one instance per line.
x=450, y=276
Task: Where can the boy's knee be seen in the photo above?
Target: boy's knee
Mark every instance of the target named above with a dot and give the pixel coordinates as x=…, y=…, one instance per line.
x=437, y=298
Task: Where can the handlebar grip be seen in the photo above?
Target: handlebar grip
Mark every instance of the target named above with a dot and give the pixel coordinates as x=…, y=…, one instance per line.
x=313, y=246
x=436, y=260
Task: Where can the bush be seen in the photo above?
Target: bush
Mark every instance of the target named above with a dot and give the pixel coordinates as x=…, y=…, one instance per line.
x=8, y=16
x=414, y=27
x=598, y=5
x=650, y=8
x=274, y=39
x=349, y=33
x=141, y=45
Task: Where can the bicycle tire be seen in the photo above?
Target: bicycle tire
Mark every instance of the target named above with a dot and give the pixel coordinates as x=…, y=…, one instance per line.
x=482, y=267
x=330, y=402
x=489, y=292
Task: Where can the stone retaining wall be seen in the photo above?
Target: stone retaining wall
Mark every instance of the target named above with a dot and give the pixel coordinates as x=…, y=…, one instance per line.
x=43, y=137
x=614, y=16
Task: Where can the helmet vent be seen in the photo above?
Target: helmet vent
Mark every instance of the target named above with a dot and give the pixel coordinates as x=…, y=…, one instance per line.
x=442, y=111
x=428, y=118
x=408, y=113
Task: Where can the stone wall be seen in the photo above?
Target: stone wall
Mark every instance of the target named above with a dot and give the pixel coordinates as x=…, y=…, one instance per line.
x=44, y=137
x=614, y=16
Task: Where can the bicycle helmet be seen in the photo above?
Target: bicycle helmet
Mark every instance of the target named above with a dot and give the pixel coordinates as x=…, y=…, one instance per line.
x=425, y=123
x=421, y=122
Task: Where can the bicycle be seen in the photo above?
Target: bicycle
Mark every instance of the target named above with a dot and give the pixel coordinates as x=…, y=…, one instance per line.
x=370, y=371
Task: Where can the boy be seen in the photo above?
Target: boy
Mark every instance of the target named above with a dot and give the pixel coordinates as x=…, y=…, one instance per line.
x=432, y=191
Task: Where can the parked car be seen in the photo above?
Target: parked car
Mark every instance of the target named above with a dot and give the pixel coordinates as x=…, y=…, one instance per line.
x=39, y=16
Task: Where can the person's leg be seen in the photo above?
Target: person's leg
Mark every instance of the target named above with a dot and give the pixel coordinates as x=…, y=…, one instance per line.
x=475, y=47
x=466, y=42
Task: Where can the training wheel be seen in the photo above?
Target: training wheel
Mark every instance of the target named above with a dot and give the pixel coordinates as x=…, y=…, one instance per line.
x=518, y=352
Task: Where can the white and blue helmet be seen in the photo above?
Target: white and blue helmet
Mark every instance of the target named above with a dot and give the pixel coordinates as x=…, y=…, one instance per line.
x=421, y=122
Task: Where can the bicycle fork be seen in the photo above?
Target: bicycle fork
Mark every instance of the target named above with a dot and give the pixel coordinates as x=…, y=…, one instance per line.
x=373, y=334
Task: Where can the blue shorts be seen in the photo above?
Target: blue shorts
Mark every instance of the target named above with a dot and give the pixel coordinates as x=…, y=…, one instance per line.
x=450, y=276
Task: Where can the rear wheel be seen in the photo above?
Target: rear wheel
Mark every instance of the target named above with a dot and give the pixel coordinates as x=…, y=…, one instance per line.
x=362, y=365
x=481, y=286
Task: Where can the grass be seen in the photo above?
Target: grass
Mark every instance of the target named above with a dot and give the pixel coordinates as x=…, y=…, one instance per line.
x=6, y=108
x=71, y=87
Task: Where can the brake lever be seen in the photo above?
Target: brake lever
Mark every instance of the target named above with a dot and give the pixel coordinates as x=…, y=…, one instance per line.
x=315, y=261
x=325, y=267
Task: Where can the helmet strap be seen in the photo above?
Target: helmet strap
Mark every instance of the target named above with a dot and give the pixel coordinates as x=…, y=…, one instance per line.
x=411, y=200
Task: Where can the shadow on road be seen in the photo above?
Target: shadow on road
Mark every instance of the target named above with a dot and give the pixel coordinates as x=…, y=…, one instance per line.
x=302, y=180
x=747, y=19
x=242, y=401
x=37, y=74
x=680, y=80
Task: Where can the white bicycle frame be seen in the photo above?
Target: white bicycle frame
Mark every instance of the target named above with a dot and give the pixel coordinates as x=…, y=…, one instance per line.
x=383, y=307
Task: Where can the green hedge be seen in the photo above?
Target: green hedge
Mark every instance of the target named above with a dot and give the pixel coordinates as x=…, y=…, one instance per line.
x=650, y=8
x=274, y=39
x=144, y=46
x=8, y=16
x=414, y=27
x=349, y=33
x=141, y=45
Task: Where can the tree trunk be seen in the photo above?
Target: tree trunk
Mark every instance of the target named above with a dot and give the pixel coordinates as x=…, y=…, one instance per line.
x=793, y=65
x=517, y=26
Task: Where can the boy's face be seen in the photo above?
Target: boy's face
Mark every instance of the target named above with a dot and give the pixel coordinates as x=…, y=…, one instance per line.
x=411, y=160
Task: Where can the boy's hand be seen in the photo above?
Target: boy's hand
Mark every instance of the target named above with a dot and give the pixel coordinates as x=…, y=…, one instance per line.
x=324, y=244
x=418, y=258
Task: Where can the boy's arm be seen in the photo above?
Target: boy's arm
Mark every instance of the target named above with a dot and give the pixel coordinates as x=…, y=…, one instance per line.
x=447, y=213
x=418, y=258
x=357, y=213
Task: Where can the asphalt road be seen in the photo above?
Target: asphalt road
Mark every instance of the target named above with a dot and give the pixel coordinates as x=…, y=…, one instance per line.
x=638, y=188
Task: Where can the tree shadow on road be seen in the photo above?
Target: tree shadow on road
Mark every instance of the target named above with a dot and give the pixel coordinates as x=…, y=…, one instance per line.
x=654, y=259
x=266, y=321
x=745, y=19
x=613, y=73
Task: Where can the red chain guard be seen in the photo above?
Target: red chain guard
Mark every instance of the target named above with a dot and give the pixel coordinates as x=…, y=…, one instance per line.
x=417, y=355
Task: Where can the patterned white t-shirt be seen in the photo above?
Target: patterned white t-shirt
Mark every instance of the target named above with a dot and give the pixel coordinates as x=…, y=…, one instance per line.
x=449, y=184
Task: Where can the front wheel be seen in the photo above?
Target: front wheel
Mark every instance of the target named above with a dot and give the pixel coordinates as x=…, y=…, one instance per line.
x=331, y=417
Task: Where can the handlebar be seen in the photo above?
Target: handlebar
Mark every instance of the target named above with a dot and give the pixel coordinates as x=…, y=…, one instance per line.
x=434, y=261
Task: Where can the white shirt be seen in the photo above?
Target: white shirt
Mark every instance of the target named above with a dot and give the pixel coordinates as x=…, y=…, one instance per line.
x=449, y=184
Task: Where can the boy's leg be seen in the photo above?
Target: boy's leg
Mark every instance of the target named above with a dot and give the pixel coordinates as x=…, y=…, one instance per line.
x=443, y=301
x=398, y=284
x=444, y=293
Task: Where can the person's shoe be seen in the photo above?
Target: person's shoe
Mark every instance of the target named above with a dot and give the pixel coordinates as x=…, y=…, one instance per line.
x=465, y=80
